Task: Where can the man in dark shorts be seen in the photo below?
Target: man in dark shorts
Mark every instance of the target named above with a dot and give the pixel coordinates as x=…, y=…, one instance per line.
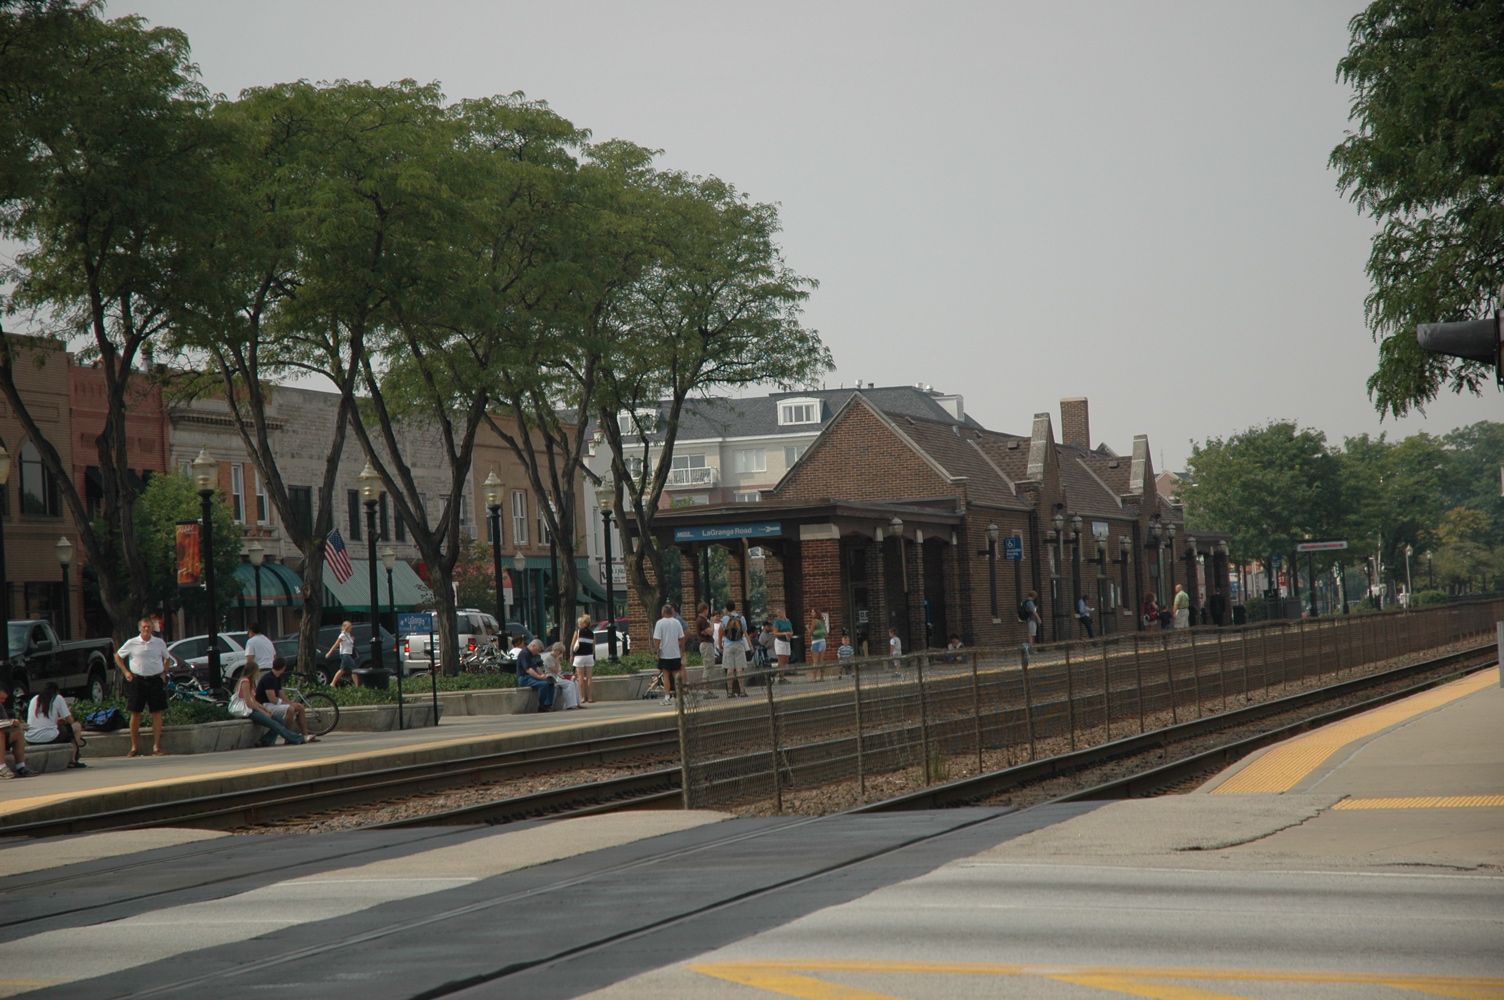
x=668, y=645
x=143, y=660
x=289, y=713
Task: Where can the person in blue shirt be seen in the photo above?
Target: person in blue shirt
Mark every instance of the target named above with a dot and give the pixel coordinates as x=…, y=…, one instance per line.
x=783, y=634
x=530, y=673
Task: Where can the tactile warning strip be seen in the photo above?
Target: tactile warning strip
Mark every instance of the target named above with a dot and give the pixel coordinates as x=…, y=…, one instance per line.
x=1423, y=802
x=1283, y=767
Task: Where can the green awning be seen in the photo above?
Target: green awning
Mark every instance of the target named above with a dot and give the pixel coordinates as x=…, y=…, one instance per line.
x=355, y=593
x=280, y=586
x=591, y=592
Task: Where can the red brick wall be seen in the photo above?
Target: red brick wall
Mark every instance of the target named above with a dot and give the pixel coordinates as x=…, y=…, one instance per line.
x=821, y=561
x=859, y=458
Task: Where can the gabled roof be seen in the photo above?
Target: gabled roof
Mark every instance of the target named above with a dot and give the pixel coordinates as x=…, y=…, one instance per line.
x=949, y=445
x=1086, y=492
x=757, y=416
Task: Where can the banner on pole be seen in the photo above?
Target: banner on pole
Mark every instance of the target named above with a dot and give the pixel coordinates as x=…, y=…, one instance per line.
x=190, y=558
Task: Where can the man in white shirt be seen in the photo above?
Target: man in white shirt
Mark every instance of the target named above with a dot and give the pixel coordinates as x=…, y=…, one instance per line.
x=258, y=647
x=668, y=646
x=143, y=661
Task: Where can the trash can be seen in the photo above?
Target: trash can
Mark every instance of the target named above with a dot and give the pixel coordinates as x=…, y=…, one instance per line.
x=370, y=677
x=1239, y=614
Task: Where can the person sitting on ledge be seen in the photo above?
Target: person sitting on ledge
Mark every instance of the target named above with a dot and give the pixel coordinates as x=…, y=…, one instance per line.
x=530, y=674
x=243, y=703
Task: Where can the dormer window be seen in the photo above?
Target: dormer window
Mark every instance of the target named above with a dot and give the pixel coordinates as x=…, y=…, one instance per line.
x=798, y=411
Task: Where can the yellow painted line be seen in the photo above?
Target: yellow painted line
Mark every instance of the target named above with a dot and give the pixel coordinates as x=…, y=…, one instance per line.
x=1285, y=766
x=782, y=978
x=1424, y=802
x=789, y=984
x=1134, y=986
x=17, y=805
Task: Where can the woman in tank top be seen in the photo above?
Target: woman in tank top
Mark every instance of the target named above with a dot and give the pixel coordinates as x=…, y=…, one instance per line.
x=583, y=651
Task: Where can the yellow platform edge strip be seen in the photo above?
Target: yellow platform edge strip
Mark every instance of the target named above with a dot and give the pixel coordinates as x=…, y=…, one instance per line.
x=1285, y=766
x=745, y=971
x=1424, y=802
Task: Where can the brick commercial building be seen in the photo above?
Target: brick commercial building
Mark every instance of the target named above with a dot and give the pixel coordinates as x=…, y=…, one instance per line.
x=908, y=521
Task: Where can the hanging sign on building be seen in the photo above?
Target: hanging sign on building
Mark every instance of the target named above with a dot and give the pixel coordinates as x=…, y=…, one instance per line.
x=714, y=533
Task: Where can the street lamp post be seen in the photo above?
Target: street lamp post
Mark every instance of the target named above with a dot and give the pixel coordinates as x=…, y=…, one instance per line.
x=519, y=563
x=1075, y=563
x=1410, y=588
x=1101, y=561
x=4, y=580
x=895, y=527
x=257, y=552
x=1170, y=533
x=992, y=532
x=65, y=559
x=1191, y=582
x=1125, y=546
x=1430, y=579
x=205, y=476
x=370, y=492
x=493, y=493
x=605, y=499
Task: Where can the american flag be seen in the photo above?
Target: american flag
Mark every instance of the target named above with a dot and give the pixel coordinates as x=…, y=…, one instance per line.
x=336, y=557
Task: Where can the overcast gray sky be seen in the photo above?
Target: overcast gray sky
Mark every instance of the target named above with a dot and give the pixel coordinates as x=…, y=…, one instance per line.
x=1017, y=202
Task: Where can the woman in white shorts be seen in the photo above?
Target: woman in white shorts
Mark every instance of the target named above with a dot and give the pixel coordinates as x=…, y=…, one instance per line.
x=583, y=651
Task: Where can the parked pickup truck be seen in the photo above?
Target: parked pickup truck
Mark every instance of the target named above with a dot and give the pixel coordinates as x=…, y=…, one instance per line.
x=38, y=656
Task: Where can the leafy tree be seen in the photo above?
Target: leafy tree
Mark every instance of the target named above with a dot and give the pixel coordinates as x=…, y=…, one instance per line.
x=1267, y=487
x=170, y=498
x=103, y=141
x=1393, y=493
x=1477, y=455
x=243, y=266
x=475, y=577
x=1426, y=161
x=719, y=308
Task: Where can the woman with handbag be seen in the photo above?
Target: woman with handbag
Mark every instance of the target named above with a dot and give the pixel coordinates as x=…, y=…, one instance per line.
x=243, y=704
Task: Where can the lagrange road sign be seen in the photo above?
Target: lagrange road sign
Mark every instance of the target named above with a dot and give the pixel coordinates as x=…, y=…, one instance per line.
x=1331, y=546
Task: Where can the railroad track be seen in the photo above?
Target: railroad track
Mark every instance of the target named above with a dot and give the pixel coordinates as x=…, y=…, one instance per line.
x=660, y=788
x=1159, y=779
x=253, y=807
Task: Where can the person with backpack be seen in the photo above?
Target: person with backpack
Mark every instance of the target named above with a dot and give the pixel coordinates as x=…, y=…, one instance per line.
x=1028, y=612
x=733, y=643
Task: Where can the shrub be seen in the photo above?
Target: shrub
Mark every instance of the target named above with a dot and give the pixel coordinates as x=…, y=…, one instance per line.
x=179, y=713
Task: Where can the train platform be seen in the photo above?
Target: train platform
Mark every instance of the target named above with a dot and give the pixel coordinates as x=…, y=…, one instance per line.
x=1260, y=884
x=117, y=782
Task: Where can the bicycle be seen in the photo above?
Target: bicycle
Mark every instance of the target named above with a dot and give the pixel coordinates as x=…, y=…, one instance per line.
x=192, y=692
x=319, y=709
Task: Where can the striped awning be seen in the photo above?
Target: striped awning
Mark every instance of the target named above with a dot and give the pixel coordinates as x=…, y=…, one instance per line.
x=280, y=586
x=355, y=593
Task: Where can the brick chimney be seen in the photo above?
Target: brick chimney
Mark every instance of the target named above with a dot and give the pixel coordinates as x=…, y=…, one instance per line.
x=1075, y=427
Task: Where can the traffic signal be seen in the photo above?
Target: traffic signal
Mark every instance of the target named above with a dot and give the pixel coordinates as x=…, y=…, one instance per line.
x=1474, y=339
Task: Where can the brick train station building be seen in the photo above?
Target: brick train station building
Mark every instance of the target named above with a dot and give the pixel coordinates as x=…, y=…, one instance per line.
x=938, y=526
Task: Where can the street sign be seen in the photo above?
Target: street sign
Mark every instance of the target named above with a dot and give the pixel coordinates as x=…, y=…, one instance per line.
x=1332, y=545
x=762, y=529
x=416, y=623
x=1013, y=549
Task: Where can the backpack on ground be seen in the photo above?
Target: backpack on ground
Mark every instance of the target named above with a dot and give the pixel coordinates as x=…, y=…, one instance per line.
x=104, y=720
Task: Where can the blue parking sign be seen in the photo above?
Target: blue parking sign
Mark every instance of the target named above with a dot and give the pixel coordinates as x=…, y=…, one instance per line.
x=1013, y=549
x=416, y=623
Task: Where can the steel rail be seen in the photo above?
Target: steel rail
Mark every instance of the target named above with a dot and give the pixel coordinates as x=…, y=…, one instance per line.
x=969, y=791
x=227, y=810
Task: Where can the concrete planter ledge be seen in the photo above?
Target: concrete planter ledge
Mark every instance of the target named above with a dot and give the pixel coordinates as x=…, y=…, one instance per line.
x=206, y=737
x=416, y=714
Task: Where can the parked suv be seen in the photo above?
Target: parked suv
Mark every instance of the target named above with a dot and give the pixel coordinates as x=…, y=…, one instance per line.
x=325, y=667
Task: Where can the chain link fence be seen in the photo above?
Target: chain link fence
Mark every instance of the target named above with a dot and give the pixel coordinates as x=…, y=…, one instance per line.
x=888, y=724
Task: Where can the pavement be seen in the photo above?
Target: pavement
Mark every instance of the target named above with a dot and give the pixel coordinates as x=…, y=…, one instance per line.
x=1362, y=860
